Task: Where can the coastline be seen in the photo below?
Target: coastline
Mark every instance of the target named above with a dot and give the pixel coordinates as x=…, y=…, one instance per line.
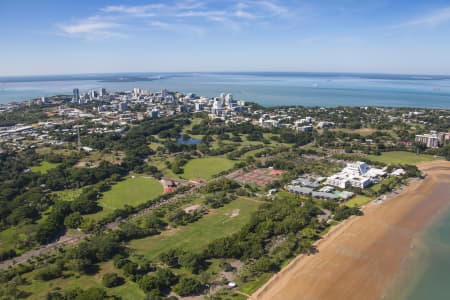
x=420, y=277
x=365, y=257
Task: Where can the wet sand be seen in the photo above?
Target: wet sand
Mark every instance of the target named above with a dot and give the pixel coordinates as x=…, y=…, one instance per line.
x=363, y=257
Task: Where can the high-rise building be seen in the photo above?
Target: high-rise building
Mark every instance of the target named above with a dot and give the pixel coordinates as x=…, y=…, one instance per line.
x=430, y=140
x=228, y=100
x=92, y=94
x=76, y=95
x=122, y=106
x=155, y=113
x=217, y=105
x=137, y=91
x=101, y=92
x=199, y=106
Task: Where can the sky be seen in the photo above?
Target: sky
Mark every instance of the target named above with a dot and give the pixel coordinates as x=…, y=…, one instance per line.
x=86, y=36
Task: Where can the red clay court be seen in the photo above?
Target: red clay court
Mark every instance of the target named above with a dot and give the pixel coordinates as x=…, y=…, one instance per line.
x=260, y=177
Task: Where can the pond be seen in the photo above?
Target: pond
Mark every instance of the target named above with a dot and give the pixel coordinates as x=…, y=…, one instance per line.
x=189, y=141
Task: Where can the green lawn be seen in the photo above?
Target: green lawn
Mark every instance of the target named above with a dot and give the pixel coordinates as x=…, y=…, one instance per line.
x=194, y=121
x=158, y=162
x=205, y=168
x=131, y=191
x=39, y=289
x=358, y=201
x=194, y=237
x=253, y=285
x=401, y=157
x=8, y=238
x=19, y=234
x=44, y=167
x=68, y=195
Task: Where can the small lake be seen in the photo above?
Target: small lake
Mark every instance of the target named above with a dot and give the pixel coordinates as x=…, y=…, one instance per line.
x=189, y=141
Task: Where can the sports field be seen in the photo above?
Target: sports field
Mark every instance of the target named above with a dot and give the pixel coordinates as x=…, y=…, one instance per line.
x=131, y=191
x=401, y=157
x=206, y=168
x=216, y=224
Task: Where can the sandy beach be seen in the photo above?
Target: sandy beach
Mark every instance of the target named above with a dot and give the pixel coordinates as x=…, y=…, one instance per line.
x=363, y=257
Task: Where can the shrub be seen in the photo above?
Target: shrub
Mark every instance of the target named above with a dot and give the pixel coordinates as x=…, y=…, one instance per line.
x=112, y=279
x=188, y=286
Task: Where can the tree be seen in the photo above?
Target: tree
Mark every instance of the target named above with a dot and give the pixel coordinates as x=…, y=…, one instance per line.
x=343, y=212
x=83, y=205
x=49, y=273
x=112, y=279
x=265, y=264
x=170, y=258
x=188, y=286
x=73, y=220
x=153, y=221
x=191, y=261
x=161, y=280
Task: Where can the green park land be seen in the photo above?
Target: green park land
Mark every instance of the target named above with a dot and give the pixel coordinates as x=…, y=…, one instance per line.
x=134, y=190
x=401, y=157
x=44, y=167
x=206, y=168
x=194, y=237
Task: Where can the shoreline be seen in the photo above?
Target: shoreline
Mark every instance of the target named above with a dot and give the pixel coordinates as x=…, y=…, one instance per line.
x=363, y=257
x=418, y=259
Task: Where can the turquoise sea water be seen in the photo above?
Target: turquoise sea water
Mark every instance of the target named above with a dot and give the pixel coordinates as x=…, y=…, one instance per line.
x=269, y=89
x=432, y=264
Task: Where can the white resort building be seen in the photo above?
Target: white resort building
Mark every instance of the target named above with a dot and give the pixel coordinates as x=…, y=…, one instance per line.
x=357, y=174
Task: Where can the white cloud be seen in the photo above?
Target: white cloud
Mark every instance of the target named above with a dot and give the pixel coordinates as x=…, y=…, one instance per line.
x=87, y=27
x=244, y=14
x=242, y=11
x=136, y=11
x=191, y=15
x=159, y=24
x=178, y=28
x=92, y=28
x=272, y=7
x=432, y=19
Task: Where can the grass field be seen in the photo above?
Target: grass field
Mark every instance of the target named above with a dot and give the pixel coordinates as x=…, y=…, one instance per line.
x=194, y=237
x=205, y=168
x=9, y=238
x=194, y=121
x=129, y=290
x=401, y=157
x=68, y=195
x=94, y=158
x=358, y=201
x=361, y=131
x=251, y=286
x=64, y=152
x=131, y=191
x=159, y=163
x=44, y=167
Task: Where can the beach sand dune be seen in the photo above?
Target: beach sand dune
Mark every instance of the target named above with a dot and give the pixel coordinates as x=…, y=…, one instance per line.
x=362, y=257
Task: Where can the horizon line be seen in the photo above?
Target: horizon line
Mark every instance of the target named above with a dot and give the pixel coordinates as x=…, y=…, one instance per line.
x=225, y=72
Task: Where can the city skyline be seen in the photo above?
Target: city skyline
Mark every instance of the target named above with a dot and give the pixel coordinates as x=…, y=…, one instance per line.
x=50, y=37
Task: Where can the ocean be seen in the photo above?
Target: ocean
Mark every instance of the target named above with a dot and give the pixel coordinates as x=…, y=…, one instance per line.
x=429, y=267
x=268, y=89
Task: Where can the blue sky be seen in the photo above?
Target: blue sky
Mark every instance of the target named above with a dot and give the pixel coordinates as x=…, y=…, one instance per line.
x=379, y=36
